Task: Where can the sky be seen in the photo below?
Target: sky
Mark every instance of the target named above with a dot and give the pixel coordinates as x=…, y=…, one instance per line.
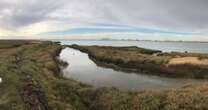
x=98, y=19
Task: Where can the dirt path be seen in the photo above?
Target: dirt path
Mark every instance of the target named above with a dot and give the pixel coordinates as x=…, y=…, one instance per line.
x=32, y=95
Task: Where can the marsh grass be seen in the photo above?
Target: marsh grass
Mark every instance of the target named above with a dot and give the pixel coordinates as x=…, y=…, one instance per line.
x=146, y=61
x=31, y=81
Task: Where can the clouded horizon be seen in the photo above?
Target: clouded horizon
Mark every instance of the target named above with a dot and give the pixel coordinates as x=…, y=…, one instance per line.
x=94, y=19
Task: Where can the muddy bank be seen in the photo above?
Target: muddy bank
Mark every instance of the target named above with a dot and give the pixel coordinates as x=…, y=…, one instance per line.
x=134, y=59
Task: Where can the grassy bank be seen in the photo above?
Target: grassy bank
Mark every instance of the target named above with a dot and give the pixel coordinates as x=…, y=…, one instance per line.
x=32, y=81
x=31, y=78
x=189, y=65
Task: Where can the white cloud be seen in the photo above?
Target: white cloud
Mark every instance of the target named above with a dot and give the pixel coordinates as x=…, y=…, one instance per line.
x=44, y=26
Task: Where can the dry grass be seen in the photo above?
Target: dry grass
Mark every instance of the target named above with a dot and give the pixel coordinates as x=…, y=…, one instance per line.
x=31, y=77
x=32, y=81
x=187, y=98
x=188, y=60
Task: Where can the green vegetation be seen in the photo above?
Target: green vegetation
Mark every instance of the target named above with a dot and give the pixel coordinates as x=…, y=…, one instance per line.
x=147, y=61
x=32, y=81
x=31, y=78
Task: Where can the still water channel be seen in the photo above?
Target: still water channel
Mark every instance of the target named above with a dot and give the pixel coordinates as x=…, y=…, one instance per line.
x=82, y=69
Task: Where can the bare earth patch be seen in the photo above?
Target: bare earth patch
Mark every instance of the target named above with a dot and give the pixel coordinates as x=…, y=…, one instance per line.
x=188, y=60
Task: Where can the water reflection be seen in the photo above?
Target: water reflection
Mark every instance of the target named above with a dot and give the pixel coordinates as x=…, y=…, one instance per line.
x=81, y=68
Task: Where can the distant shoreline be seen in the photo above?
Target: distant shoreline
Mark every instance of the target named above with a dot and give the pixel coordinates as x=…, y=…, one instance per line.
x=129, y=40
